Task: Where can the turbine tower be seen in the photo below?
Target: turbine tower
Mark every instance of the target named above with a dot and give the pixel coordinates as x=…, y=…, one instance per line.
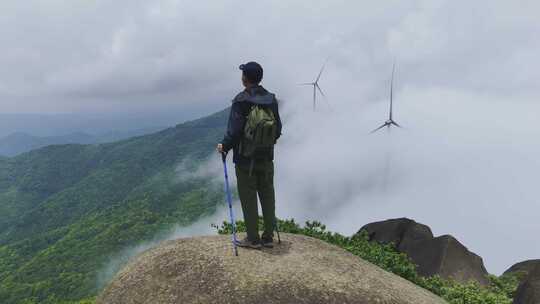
x=390, y=122
x=316, y=86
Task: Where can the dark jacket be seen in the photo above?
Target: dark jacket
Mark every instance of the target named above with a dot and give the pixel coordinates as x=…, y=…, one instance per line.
x=241, y=105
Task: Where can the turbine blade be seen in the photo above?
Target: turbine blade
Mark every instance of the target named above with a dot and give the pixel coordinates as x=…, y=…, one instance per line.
x=396, y=124
x=319, y=88
x=322, y=69
x=392, y=90
x=325, y=99
x=382, y=126
x=306, y=83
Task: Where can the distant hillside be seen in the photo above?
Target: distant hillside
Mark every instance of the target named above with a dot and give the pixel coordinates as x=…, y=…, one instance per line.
x=18, y=143
x=64, y=209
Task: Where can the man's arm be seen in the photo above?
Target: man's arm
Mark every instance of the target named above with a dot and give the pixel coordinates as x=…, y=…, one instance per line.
x=235, y=127
x=278, y=119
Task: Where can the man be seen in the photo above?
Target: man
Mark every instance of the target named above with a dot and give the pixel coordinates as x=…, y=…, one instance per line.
x=255, y=174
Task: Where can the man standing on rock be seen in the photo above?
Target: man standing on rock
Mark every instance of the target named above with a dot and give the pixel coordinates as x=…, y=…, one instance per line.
x=253, y=128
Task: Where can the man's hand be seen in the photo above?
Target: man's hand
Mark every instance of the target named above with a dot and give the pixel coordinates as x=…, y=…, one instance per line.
x=219, y=148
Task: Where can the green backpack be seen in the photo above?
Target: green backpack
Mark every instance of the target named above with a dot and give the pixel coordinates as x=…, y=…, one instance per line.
x=259, y=132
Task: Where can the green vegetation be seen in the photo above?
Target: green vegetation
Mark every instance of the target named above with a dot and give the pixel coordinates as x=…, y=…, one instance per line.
x=65, y=210
x=500, y=291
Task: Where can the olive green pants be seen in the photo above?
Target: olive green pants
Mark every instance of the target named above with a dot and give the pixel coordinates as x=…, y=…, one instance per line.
x=260, y=182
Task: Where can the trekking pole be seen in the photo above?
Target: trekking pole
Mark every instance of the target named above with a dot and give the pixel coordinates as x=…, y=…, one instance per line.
x=276, y=225
x=229, y=201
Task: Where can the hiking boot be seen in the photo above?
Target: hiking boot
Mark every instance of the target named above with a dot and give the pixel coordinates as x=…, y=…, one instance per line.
x=267, y=242
x=247, y=243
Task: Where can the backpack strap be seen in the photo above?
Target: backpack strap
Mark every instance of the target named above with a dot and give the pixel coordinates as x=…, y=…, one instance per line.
x=251, y=164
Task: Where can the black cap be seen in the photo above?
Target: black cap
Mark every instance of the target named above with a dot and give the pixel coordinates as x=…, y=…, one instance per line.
x=253, y=71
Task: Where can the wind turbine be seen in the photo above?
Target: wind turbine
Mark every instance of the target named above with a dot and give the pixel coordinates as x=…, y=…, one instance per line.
x=390, y=122
x=316, y=86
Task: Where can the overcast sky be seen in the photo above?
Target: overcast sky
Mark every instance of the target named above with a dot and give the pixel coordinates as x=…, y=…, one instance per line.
x=467, y=88
x=71, y=56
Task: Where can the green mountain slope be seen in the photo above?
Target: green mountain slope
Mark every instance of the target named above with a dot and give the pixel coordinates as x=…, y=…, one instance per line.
x=65, y=209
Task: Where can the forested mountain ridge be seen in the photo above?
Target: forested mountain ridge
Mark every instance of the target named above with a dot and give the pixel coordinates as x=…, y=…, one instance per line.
x=19, y=142
x=65, y=208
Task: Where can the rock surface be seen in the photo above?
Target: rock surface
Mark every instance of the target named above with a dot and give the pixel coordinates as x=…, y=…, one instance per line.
x=447, y=257
x=300, y=270
x=525, y=266
x=444, y=255
x=528, y=291
x=402, y=232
